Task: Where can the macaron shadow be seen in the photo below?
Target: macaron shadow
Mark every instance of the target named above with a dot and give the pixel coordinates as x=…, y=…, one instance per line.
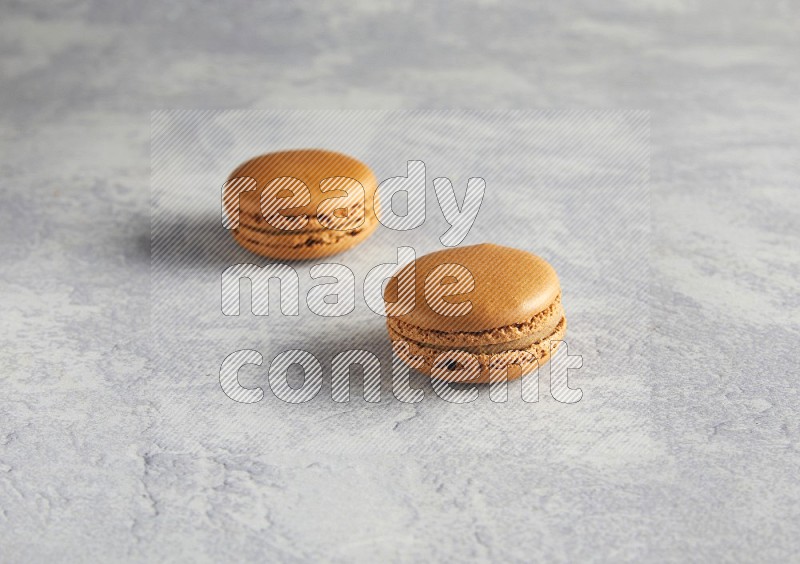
x=371, y=338
x=200, y=242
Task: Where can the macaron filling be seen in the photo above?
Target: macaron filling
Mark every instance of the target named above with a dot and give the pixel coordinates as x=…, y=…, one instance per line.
x=523, y=343
x=537, y=327
x=256, y=222
x=312, y=235
x=302, y=239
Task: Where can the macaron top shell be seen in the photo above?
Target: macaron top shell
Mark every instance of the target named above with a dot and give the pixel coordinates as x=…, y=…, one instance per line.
x=310, y=166
x=511, y=286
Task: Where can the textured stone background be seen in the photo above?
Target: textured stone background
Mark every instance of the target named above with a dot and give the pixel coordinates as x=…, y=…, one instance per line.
x=700, y=464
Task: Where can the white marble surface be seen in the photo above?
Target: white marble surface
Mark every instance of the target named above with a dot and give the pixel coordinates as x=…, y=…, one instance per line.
x=698, y=463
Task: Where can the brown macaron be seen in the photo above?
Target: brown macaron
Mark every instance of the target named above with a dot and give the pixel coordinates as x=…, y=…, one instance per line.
x=479, y=313
x=301, y=204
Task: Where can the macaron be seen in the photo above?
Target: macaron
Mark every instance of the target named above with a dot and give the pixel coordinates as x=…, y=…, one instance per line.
x=478, y=311
x=301, y=204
